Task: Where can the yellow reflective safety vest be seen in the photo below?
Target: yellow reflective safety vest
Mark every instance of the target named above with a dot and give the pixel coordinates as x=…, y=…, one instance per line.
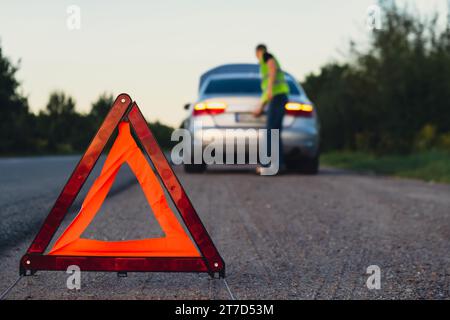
x=280, y=85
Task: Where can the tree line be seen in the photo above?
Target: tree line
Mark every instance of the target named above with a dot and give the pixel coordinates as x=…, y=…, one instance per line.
x=59, y=128
x=392, y=97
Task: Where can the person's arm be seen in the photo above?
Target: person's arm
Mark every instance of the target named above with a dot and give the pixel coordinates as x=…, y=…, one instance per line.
x=259, y=109
x=272, y=66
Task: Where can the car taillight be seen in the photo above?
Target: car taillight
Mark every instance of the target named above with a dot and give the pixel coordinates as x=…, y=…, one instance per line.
x=209, y=108
x=299, y=109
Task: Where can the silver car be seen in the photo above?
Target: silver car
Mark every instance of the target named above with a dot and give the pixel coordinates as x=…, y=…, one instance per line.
x=228, y=94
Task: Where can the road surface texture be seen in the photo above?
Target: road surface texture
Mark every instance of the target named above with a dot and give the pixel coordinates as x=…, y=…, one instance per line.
x=285, y=237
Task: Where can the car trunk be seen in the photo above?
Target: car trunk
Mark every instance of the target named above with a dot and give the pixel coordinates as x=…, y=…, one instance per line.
x=238, y=113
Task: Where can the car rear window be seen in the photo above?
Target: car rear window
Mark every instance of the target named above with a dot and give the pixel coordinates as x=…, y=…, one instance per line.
x=293, y=89
x=241, y=86
x=233, y=86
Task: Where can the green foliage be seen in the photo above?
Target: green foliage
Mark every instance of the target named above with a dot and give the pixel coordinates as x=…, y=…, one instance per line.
x=100, y=108
x=426, y=138
x=59, y=129
x=14, y=117
x=444, y=141
x=384, y=97
x=162, y=134
x=60, y=105
x=428, y=166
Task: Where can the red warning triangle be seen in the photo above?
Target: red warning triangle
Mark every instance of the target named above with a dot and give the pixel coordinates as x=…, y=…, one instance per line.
x=175, y=251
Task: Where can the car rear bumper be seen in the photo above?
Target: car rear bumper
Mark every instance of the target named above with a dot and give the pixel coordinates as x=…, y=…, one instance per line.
x=295, y=142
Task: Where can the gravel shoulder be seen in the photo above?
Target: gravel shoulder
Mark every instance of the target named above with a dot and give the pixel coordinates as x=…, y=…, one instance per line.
x=286, y=237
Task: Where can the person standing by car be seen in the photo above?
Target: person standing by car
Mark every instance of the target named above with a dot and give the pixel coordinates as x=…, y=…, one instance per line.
x=275, y=92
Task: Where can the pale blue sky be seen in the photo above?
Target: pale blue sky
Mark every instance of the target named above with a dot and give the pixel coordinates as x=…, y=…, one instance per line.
x=156, y=50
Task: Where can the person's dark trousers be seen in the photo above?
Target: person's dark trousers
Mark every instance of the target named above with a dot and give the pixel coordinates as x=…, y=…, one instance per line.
x=275, y=114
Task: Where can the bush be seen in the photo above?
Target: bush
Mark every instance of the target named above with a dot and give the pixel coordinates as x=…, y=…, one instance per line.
x=426, y=138
x=444, y=141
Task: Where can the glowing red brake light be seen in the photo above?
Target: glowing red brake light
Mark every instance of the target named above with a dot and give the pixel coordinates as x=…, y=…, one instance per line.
x=209, y=108
x=299, y=109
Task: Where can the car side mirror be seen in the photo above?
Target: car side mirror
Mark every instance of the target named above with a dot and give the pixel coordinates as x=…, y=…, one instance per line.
x=186, y=106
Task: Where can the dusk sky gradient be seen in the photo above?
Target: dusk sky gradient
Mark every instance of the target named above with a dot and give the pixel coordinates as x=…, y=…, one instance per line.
x=156, y=50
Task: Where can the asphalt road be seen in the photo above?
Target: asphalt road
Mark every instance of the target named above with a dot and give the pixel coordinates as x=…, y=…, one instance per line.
x=286, y=237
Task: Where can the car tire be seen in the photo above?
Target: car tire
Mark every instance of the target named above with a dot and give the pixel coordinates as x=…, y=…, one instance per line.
x=305, y=165
x=310, y=165
x=194, y=168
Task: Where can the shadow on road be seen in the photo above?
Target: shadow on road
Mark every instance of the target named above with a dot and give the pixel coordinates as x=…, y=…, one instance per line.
x=251, y=170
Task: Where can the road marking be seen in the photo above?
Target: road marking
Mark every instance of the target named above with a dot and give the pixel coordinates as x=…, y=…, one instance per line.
x=5, y=293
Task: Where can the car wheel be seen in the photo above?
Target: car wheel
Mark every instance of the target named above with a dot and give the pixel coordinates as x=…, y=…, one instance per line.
x=305, y=165
x=194, y=168
x=310, y=165
x=293, y=164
